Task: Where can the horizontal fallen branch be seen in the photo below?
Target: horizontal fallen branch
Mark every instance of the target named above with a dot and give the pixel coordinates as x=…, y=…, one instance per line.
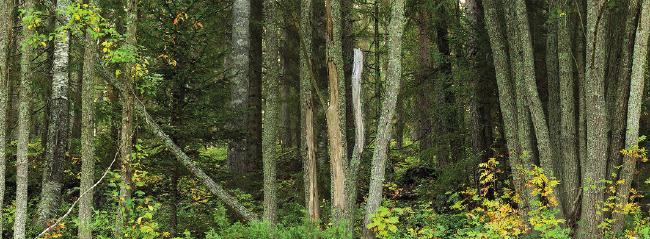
x=216, y=189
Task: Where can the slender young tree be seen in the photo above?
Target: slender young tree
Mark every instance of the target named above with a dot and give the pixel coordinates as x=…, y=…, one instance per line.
x=639, y=70
x=126, y=132
x=87, y=137
x=384, y=128
x=57, y=136
x=6, y=32
x=308, y=141
x=24, y=100
x=271, y=109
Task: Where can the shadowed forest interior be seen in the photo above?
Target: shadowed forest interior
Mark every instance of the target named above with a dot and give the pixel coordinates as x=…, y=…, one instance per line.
x=324, y=119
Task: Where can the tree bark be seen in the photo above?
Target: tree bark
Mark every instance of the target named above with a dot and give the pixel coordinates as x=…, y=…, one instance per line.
x=507, y=97
x=384, y=128
x=308, y=144
x=6, y=34
x=57, y=136
x=359, y=130
x=336, y=113
x=593, y=168
x=639, y=70
x=126, y=131
x=22, y=161
x=569, y=155
x=617, y=109
x=271, y=110
x=253, y=162
x=87, y=137
x=238, y=65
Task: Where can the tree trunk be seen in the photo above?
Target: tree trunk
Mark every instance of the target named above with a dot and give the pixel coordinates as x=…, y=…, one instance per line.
x=569, y=158
x=593, y=168
x=238, y=66
x=253, y=162
x=87, y=137
x=424, y=84
x=22, y=161
x=359, y=130
x=507, y=97
x=126, y=131
x=384, y=128
x=336, y=113
x=308, y=144
x=618, y=107
x=639, y=68
x=271, y=110
x=57, y=136
x=6, y=34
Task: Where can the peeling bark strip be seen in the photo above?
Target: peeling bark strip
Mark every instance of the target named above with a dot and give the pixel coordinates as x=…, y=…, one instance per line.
x=308, y=147
x=359, y=129
x=216, y=189
x=384, y=127
x=639, y=68
x=336, y=113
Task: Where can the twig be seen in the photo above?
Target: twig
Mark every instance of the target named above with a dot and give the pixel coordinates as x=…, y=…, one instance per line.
x=80, y=196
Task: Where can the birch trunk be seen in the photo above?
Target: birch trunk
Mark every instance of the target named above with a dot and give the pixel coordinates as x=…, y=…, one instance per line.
x=384, y=128
x=57, y=136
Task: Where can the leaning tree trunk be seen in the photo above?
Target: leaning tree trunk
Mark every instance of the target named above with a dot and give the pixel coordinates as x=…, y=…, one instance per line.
x=22, y=162
x=87, y=137
x=271, y=110
x=6, y=32
x=57, y=136
x=507, y=97
x=593, y=168
x=308, y=141
x=216, y=189
x=336, y=113
x=384, y=128
x=639, y=68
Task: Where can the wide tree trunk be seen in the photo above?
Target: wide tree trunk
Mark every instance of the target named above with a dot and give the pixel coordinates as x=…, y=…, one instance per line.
x=639, y=69
x=57, y=136
x=384, y=128
x=87, y=137
x=6, y=34
x=22, y=162
x=271, y=115
x=593, y=167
